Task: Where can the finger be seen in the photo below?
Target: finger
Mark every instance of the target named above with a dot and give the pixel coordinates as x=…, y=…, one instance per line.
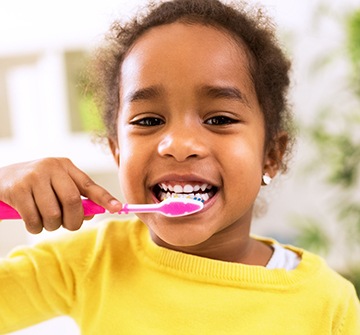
x=95, y=192
x=68, y=196
x=48, y=206
x=29, y=213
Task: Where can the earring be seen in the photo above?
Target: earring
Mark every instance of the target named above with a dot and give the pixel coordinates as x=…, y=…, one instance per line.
x=266, y=179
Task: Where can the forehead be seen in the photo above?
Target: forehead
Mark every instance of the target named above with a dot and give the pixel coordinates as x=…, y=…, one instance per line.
x=188, y=53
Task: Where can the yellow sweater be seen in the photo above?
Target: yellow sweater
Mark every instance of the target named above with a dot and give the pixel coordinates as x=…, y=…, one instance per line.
x=114, y=280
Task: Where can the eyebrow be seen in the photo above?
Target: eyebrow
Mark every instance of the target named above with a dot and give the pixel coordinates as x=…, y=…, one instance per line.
x=224, y=92
x=211, y=91
x=147, y=93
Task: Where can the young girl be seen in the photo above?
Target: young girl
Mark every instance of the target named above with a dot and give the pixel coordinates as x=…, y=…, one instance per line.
x=193, y=95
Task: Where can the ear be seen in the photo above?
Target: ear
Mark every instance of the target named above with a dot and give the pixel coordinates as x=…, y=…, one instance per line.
x=274, y=154
x=114, y=150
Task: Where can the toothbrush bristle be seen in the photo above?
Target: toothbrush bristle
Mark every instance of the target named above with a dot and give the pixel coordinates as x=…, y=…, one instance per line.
x=176, y=196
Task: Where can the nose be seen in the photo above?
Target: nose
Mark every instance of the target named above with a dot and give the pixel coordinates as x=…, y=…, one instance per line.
x=182, y=143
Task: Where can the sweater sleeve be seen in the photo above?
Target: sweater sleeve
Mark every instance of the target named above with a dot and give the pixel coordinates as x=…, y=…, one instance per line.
x=36, y=284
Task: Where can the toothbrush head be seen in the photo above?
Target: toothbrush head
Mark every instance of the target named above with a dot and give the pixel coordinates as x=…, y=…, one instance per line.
x=176, y=207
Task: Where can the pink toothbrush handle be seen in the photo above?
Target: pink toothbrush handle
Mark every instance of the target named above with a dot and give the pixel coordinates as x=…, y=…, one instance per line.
x=127, y=208
x=9, y=213
x=91, y=208
x=169, y=207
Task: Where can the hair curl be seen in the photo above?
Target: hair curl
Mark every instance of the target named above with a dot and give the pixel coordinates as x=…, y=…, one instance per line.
x=269, y=66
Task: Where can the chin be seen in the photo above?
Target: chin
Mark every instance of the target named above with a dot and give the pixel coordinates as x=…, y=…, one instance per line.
x=175, y=239
x=174, y=233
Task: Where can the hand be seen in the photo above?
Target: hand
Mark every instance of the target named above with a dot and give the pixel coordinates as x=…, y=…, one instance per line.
x=46, y=193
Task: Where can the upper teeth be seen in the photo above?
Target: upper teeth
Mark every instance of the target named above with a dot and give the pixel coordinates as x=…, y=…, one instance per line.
x=186, y=188
x=199, y=191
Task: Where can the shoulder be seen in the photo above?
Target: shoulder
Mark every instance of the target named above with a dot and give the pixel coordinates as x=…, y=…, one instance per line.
x=321, y=274
x=334, y=295
x=313, y=271
x=327, y=284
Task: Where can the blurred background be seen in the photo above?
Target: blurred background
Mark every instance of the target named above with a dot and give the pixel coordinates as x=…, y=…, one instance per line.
x=44, y=112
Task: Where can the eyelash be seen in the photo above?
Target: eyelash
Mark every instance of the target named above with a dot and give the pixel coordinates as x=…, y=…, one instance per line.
x=148, y=122
x=218, y=121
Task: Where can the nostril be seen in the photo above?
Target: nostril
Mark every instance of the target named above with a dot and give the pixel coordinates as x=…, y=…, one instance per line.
x=181, y=148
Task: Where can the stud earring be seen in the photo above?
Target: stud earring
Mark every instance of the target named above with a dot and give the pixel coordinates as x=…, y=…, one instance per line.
x=266, y=179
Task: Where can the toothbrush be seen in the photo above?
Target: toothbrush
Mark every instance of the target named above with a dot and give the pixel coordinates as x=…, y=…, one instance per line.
x=171, y=207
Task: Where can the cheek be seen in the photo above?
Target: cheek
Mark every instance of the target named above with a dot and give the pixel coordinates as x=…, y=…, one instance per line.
x=247, y=151
x=127, y=172
x=133, y=163
x=244, y=163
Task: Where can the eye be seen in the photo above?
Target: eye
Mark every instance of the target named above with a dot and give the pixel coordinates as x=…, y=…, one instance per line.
x=220, y=120
x=148, y=122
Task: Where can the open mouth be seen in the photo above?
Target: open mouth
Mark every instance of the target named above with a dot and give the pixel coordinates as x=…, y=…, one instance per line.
x=203, y=192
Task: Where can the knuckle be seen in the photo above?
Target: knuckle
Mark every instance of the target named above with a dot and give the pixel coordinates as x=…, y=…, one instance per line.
x=33, y=224
x=52, y=218
x=52, y=225
x=74, y=223
x=72, y=201
x=63, y=161
x=44, y=164
x=33, y=221
x=35, y=176
x=36, y=170
x=104, y=197
x=88, y=182
x=53, y=215
x=73, y=227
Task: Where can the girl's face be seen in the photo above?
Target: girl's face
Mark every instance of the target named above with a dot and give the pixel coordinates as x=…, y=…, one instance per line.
x=190, y=122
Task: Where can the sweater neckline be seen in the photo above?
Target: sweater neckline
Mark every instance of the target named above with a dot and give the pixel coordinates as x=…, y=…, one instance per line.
x=218, y=272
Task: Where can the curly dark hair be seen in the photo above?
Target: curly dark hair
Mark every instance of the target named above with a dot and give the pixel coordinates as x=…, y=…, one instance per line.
x=269, y=66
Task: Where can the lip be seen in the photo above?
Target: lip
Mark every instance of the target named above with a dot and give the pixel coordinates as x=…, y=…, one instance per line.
x=182, y=179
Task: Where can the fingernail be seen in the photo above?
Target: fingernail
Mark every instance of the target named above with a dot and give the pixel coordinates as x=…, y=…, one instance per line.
x=114, y=202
